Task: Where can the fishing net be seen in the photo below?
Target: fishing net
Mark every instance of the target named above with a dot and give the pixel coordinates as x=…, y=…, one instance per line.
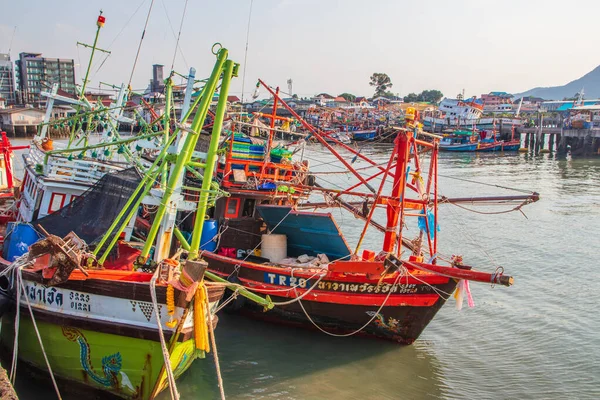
x=91, y=214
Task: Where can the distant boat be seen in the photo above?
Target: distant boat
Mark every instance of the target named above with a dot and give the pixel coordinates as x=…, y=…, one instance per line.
x=363, y=135
x=459, y=141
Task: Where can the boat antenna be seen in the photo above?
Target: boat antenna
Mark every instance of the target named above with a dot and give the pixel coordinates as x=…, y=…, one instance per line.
x=179, y=34
x=246, y=51
x=140, y=45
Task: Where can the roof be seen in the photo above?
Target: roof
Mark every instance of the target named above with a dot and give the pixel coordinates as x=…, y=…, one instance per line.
x=325, y=95
x=592, y=107
x=502, y=94
x=360, y=98
x=340, y=99
x=233, y=99
x=19, y=109
x=587, y=105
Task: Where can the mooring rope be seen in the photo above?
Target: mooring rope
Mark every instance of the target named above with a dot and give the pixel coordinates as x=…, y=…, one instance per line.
x=163, y=344
x=37, y=332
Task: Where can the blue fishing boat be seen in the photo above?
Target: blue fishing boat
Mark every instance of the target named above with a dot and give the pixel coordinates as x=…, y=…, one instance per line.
x=459, y=141
x=363, y=135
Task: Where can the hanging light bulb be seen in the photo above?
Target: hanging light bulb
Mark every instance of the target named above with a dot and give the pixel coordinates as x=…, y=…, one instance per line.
x=256, y=91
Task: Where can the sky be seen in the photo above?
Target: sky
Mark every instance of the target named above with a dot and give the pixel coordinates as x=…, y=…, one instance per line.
x=330, y=46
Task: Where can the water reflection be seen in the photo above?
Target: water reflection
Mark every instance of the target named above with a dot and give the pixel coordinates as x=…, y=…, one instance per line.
x=260, y=360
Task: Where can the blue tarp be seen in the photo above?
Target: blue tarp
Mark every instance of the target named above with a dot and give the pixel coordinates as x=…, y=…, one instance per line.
x=307, y=232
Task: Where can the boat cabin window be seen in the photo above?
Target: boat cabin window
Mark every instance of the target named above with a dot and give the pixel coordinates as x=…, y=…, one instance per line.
x=232, y=208
x=57, y=200
x=248, y=210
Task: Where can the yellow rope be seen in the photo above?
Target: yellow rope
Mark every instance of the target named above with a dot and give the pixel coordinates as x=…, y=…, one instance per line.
x=200, y=325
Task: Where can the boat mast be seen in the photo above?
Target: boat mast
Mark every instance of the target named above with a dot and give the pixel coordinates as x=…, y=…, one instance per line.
x=395, y=209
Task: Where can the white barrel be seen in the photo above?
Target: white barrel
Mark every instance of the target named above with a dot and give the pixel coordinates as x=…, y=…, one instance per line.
x=274, y=247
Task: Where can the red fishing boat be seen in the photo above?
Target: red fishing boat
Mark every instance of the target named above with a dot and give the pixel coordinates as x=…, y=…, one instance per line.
x=307, y=267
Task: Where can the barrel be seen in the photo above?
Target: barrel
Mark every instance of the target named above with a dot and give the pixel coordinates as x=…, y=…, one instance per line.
x=210, y=228
x=20, y=236
x=274, y=247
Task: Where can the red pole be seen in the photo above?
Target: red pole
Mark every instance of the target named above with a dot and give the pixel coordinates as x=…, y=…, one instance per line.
x=393, y=212
x=320, y=139
x=272, y=117
x=372, y=210
x=6, y=151
x=434, y=160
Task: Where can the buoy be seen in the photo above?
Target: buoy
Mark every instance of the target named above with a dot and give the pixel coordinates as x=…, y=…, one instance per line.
x=523, y=150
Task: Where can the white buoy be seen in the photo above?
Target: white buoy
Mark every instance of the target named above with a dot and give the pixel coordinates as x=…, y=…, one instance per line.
x=274, y=247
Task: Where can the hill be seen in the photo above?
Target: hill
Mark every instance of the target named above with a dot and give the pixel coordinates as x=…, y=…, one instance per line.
x=590, y=82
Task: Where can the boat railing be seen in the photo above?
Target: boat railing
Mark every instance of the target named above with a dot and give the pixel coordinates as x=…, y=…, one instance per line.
x=61, y=168
x=293, y=174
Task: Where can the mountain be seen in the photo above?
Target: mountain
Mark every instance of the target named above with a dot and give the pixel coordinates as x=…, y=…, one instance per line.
x=590, y=83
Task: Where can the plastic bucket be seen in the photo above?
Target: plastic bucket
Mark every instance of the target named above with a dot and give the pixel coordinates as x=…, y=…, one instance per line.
x=274, y=247
x=19, y=238
x=210, y=229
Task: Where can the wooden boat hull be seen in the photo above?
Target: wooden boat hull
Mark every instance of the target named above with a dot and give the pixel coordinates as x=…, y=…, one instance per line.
x=341, y=304
x=102, y=335
x=489, y=147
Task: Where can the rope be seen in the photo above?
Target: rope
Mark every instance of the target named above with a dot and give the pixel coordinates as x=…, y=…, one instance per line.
x=517, y=208
x=246, y=51
x=362, y=327
x=178, y=35
x=213, y=343
x=485, y=184
x=140, y=45
x=163, y=344
x=37, y=332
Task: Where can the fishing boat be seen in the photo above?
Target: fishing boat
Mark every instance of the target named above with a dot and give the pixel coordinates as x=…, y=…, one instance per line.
x=101, y=313
x=363, y=135
x=459, y=141
x=305, y=263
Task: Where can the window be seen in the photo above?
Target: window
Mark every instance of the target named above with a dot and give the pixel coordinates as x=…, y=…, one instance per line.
x=57, y=200
x=232, y=208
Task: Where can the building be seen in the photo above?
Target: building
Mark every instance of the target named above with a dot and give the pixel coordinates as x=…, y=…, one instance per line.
x=21, y=121
x=157, y=84
x=37, y=74
x=497, y=102
x=324, y=99
x=7, y=79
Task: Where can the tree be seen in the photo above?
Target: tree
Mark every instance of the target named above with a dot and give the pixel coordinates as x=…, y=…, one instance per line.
x=381, y=82
x=348, y=96
x=429, y=96
x=411, y=98
x=432, y=96
x=295, y=96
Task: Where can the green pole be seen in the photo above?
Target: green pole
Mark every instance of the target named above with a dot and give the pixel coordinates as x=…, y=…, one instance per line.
x=145, y=183
x=266, y=302
x=181, y=239
x=186, y=151
x=211, y=159
x=85, y=80
x=167, y=125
